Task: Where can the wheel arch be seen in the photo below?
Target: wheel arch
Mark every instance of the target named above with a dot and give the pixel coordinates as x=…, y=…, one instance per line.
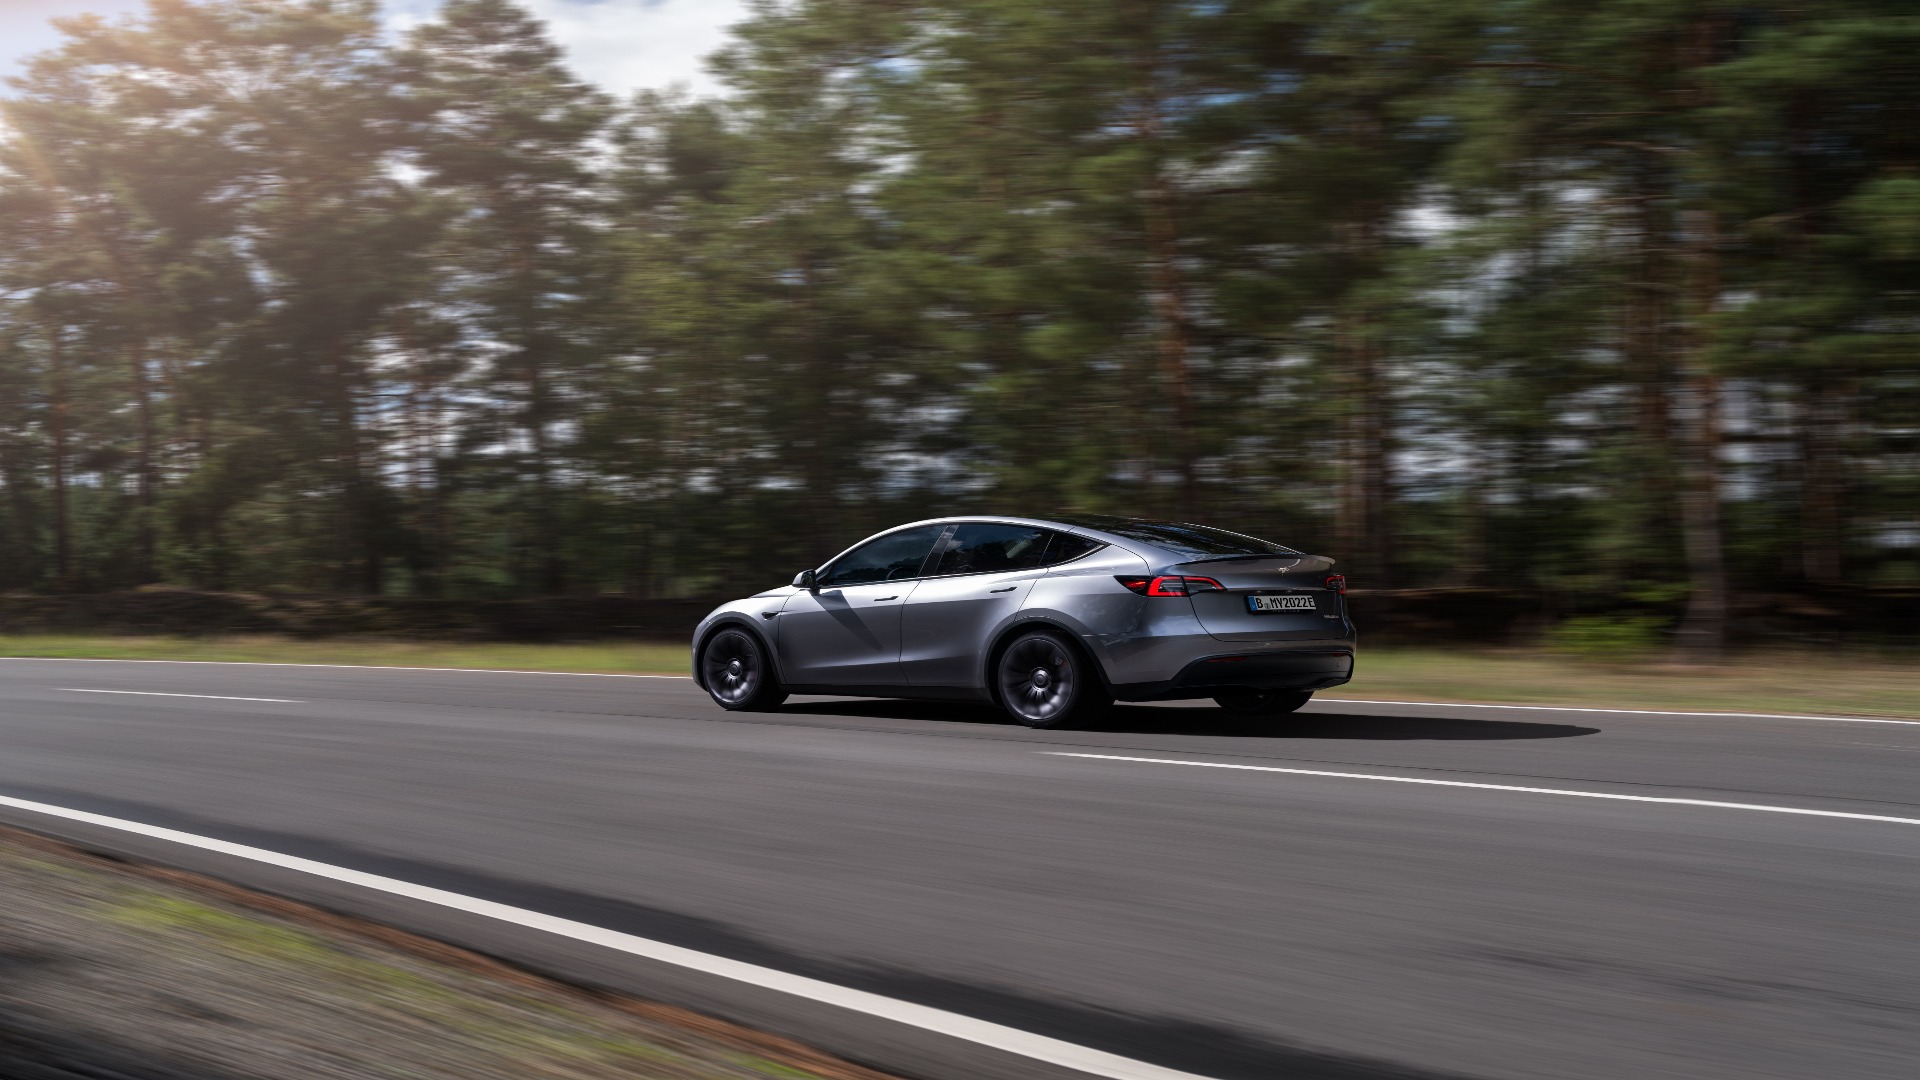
x=733, y=622
x=1037, y=622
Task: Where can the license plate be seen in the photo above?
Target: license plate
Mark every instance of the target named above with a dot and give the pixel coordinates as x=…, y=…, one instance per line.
x=1260, y=605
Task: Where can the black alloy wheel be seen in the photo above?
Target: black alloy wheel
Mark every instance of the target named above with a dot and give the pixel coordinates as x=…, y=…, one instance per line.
x=734, y=666
x=1044, y=682
x=1262, y=702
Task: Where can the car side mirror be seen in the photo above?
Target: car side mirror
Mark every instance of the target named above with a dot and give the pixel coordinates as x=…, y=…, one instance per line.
x=804, y=580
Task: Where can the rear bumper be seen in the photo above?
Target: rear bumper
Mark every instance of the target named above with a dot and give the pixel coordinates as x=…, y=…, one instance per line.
x=1293, y=669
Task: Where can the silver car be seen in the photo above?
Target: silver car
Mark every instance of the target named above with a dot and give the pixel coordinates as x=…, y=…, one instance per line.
x=1052, y=619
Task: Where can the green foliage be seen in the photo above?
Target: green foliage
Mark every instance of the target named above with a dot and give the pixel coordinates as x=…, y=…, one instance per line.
x=1612, y=638
x=1437, y=288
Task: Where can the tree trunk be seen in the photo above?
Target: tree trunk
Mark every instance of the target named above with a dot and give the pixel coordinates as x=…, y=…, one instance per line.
x=57, y=421
x=1821, y=404
x=1703, y=630
x=1170, y=303
x=446, y=478
x=360, y=554
x=818, y=377
x=1646, y=343
x=373, y=563
x=1370, y=470
x=1821, y=561
x=553, y=574
x=146, y=481
x=533, y=354
x=1169, y=287
x=440, y=532
x=1365, y=530
x=423, y=481
x=145, y=563
x=1476, y=530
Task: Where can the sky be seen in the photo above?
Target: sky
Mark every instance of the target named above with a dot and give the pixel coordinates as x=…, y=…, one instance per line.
x=621, y=44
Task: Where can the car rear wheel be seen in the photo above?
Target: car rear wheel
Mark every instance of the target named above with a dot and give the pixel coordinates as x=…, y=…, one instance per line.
x=1262, y=702
x=1044, y=682
x=738, y=675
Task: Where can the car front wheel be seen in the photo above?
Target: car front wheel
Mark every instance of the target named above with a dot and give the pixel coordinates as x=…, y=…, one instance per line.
x=1262, y=702
x=738, y=674
x=1046, y=683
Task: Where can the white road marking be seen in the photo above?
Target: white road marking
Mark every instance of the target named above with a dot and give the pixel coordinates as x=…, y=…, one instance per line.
x=1628, y=712
x=156, y=693
x=1011, y=1040
x=1762, y=807
x=351, y=667
x=617, y=675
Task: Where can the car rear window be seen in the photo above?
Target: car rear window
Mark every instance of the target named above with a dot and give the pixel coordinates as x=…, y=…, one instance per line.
x=1066, y=547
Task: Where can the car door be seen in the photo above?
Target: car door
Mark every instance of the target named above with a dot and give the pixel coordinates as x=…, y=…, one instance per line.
x=980, y=575
x=845, y=632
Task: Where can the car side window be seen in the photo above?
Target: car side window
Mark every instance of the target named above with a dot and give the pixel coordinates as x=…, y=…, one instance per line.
x=983, y=548
x=889, y=558
x=1066, y=547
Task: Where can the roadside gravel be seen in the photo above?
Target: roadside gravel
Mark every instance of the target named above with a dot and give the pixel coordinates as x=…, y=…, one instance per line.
x=116, y=972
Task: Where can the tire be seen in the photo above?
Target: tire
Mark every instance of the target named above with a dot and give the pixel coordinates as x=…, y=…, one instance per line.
x=1262, y=702
x=1044, y=681
x=738, y=674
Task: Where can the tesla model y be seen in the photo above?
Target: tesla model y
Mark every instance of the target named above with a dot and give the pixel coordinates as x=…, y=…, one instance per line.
x=1052, y=619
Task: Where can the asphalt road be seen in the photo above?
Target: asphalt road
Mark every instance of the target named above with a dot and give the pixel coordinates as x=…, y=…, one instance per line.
x=1243, y=924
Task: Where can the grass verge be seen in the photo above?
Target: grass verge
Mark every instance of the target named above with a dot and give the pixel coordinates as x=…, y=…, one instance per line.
x=116, y=969
x=1805, y=681
x=618, y=657
x=1777, y=682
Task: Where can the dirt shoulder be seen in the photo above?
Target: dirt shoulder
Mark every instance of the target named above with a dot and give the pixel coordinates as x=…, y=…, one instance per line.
x=116, y=970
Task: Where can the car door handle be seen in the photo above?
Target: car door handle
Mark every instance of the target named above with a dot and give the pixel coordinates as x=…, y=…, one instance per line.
x=1009, y=588
x=881, y=599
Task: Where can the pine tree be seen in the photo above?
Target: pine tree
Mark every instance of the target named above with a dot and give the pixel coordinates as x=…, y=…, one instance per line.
x=510, y=142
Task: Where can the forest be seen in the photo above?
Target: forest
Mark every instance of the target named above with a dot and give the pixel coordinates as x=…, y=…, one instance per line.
x=1613, y=301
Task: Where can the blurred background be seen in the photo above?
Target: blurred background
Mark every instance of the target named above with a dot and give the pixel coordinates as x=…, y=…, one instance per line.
x=1605, y=310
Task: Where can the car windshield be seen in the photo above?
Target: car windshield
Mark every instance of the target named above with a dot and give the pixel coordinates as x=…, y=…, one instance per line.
x=1195, y=540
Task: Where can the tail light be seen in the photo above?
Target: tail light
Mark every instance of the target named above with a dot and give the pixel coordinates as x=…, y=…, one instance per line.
x=1338, y=583
x=1171, y=586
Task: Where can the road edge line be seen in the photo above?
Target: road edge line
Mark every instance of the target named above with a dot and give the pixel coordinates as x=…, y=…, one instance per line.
x=926, y=1018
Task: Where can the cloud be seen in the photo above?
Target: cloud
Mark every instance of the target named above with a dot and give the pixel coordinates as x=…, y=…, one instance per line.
x=26, y=26
x=623, y=45
x=626, y=45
